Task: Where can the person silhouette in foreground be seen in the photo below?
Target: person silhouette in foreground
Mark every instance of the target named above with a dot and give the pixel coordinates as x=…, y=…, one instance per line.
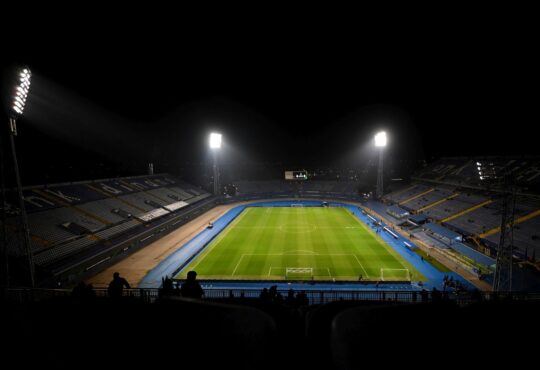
x=116, y=286
x=191, y=288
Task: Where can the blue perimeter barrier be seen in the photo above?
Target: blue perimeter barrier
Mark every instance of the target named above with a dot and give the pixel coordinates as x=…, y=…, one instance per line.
x=173, y=264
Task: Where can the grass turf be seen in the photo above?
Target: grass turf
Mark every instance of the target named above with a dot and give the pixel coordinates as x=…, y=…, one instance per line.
x=295, y=243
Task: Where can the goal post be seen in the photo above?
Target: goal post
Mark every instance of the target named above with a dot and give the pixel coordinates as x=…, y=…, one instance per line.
x=395, y=274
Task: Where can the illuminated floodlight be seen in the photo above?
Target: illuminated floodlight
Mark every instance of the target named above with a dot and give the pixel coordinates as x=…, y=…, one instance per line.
x=21, y=91
x=380, y=139
x=215, y=140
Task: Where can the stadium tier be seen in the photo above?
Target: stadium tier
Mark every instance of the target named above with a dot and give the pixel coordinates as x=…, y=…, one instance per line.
x=485, y=218
x=463, y=195
x=465, y=171
x=526, y=237
x=405, y=195
x=455, y=205
x=68, y=221
x=427, y=199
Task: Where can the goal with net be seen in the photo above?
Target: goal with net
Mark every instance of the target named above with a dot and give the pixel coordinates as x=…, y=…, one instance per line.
x=395, y=274
x=296, y=205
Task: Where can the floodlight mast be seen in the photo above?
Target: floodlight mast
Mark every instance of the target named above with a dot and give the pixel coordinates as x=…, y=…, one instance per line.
x=380, y=142
x=17, y=109
x=215, y=145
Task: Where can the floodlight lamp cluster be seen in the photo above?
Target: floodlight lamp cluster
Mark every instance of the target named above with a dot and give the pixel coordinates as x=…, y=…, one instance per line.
x=215, y=140
x=21, y=91
x=380, y=139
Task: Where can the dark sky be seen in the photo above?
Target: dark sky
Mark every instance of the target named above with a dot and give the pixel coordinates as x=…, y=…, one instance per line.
x=121, y=87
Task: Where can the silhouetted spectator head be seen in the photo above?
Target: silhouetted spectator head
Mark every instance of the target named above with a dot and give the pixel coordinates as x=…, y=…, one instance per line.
x=191, y=287
x=116, y=275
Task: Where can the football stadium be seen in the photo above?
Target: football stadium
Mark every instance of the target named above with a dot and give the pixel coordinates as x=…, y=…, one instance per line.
x=235, y=218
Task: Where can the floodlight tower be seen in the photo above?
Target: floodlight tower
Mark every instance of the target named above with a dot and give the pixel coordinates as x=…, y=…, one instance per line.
x=380, y=142
x=17, y=109
x=215, y=145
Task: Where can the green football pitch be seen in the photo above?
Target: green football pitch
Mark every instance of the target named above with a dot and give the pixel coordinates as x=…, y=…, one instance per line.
x=296, y=243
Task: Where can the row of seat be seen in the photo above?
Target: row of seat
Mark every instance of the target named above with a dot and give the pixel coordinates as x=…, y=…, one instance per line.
x=471, y=214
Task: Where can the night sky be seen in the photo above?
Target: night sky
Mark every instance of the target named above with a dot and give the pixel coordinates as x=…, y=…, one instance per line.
x=113, y=90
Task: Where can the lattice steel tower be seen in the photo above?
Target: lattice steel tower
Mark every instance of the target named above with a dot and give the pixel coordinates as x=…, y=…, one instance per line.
x=503, y=272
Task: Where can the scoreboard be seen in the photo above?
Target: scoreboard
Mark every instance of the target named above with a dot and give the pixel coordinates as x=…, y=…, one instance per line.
x=296, y=175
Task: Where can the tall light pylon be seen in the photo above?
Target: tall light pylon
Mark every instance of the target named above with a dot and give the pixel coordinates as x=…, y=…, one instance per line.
x=215, y=145
x=380, y=143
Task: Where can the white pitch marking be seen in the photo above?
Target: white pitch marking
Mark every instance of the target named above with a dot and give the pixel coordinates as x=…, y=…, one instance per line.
x=238, y=264
x=304, y=252
x=329, y=274
x=357, y=260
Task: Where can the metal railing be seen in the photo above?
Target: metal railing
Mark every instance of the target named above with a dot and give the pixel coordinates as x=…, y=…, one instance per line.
x=24, y=295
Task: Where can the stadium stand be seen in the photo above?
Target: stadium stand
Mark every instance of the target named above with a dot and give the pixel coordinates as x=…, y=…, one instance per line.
x=464, y=171
x=102, y=208
x=526, y=238
x=141, y=200
x=427, y=199
x=66, y=219
x=485, y=218
x=452, y=196
x=460, y=203
x=407, y=194
x=182, y=195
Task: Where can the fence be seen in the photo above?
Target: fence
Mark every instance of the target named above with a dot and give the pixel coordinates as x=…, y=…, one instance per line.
x=313, y=296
